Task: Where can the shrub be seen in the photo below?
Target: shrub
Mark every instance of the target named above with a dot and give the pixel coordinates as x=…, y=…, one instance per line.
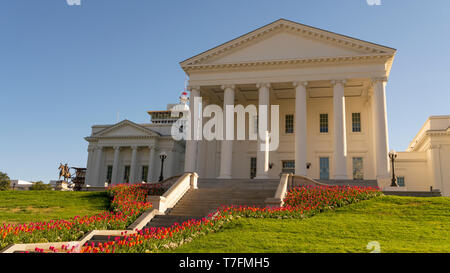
x=5, y=182
x=40, y=186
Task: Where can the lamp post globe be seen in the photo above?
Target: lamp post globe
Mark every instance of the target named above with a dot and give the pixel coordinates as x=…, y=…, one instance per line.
x=162, y=156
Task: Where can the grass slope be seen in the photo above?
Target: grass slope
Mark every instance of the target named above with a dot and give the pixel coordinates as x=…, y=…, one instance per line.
x=31, y=206
x=399, y=224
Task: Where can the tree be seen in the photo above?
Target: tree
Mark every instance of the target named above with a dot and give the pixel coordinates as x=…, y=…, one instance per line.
x=40, y=186
x=5, y=182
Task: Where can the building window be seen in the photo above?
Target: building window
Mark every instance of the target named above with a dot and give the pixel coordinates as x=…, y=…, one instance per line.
x=356, y=122
x=288, y=166
x=358, y=172
x=289, y=124
x=324, y=123
x=252, y=167
x=144, y=174
x=401, y=181
x=109, y=174
x=126, y=174
x=324, y=165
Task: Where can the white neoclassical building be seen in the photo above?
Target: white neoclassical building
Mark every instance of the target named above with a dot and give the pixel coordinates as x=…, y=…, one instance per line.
x=331, y=92
x=127, y=152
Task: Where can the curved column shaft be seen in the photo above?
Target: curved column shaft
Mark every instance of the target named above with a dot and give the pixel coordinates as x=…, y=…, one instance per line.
x=89, y=166
x=98, y=167
x=151, y=164
x=300, y=128
x=115, y=170
x=340, y=140
x=191, y=143
x=133, y=168
x=380, y=128
x=226, y=153
x=262, y=157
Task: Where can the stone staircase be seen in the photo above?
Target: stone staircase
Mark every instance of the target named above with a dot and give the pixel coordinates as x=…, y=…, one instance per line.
x=210, y=195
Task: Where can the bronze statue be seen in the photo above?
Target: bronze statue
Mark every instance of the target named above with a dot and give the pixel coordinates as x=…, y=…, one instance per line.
x=68, y=175
x=64, y=171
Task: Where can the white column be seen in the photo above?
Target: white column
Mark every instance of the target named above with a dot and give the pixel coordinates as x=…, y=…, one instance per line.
x=340, y=139
x=435, y=164
x=262, y=157
x=98, y=167
x=380, y=128
x=226, y=152
x=151, y=163
x=115, y=170
x=169, y=164
x=89, y=166
x=133, y=168
x=202, y=147
x=300, y=127
x=191, y=145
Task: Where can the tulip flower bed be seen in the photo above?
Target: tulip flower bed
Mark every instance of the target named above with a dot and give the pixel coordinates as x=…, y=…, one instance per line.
x=127, y=203
x=300, y=202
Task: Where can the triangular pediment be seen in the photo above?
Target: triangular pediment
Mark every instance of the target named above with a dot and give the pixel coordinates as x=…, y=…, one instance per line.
x=126, y=128
x=285, y=40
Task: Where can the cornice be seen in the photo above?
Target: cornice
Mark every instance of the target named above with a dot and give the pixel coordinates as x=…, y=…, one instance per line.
x=290, y=62
x=96, y=138
x=298, y=83
x=444, y=132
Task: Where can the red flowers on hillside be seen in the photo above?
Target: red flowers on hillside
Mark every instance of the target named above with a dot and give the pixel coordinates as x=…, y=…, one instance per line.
x=300, y=202
x=128, y=202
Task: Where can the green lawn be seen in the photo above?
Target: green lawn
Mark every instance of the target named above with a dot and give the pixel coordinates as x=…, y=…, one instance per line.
x=399, y=224
x=34, y=206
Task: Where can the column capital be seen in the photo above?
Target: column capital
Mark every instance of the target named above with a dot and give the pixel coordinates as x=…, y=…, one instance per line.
x=193, y=88
x=434, y=146
x=98, y=148
x=152, y=147
x=117, y=148
x=263, y=84
x=335, y=82
x=228, y=86
x=378, y=79
x=90, y=149
x=298, y=83
x=134, y=147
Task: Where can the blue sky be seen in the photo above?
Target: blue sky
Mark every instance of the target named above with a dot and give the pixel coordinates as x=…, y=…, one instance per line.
x=64, y=68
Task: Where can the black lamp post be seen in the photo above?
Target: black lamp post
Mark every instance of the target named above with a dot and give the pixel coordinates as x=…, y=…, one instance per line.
x=163, y=156
x=393, y=156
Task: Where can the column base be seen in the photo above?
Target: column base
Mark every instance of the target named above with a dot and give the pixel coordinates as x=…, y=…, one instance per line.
x=224, y=177
x=340, y=177
x=394, y=189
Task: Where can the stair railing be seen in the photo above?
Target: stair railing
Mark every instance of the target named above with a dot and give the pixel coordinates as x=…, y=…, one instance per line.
x=278, y=199
x=171, y=197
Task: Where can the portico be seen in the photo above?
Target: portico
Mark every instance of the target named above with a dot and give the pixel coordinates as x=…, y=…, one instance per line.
x=331, y=94
x=127, y=152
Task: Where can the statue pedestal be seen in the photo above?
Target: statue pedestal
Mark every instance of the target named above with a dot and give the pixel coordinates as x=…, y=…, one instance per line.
x=62, y=185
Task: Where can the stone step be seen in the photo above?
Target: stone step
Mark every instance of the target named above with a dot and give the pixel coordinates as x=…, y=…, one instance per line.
x=169, y=220
x=96, y=239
